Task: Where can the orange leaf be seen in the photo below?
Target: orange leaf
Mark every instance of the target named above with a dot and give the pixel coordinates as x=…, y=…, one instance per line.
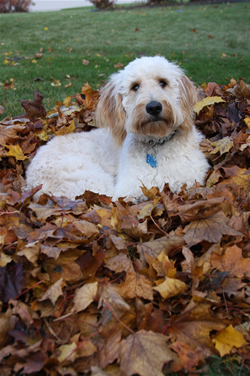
x=232, y=262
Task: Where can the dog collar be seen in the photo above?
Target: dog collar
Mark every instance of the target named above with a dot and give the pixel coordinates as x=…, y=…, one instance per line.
x=153, y=145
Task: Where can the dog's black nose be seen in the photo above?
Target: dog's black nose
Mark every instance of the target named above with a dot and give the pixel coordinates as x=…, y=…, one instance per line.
x=154, y=108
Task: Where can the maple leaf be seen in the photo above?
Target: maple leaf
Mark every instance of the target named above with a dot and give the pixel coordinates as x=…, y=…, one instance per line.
x=34, y=109
x=193, y=326
x=136, y=285
x=210, y=229
x=227, y=339
x=145, y=353
x=232, y=262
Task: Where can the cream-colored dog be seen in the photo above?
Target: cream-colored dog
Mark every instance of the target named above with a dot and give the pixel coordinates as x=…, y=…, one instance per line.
x=151, y=138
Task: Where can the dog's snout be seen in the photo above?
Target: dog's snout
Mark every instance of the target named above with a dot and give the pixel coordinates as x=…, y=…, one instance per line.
x=154, y=108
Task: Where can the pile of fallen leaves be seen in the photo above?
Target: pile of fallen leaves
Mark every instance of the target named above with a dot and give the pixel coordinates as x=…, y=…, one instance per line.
x=98, y=287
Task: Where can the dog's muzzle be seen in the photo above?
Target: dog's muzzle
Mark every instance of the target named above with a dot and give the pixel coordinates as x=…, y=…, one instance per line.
x=154, y=108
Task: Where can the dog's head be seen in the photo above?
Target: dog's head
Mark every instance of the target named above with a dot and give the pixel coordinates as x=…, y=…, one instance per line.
x=149, y=97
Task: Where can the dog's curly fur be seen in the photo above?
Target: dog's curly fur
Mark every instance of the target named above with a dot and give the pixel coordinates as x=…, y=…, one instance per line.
x=148, y=108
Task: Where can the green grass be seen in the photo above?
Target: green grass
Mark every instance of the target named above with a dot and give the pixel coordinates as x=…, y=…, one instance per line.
x=107, y=38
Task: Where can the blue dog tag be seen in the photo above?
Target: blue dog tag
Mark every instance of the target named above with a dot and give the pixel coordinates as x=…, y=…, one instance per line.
x=151, y=160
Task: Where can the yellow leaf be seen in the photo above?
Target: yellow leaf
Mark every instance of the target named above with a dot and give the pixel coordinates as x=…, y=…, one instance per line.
x=222, y=146
x=16, y=151
x=227, y=339
x=66, y=352
x=46, y=28
x=42, y=136
x=171, y=287
x=34, y=61
x=247, y=121
x=67, y=101
x=206, y=102
x=66, y=130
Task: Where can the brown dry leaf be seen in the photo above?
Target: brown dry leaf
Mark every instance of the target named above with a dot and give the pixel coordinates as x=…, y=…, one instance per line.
x=136, y=285
x=7, y=323
x=238, y=179
x=240, y=90
x=110, y=295
x=189, y=356
x=11, y=131
x=232, y=262
x=110, y=348
x=193, y=326
x=120, y=263
x=53, y=292
x=155, y=247
x=118, y=66
x=210, y=229
x=1, y=109
x=144, y=353
x=84, y=296
x=200, y=209
x=171, y=287
x=31, y=251
x=34, y=109
x=227, y=339
x=9, y=84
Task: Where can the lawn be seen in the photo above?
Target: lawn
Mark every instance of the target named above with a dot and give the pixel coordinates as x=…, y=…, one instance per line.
x=209, y=42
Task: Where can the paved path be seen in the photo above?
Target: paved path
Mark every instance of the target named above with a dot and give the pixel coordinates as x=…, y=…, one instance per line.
x=45, y=5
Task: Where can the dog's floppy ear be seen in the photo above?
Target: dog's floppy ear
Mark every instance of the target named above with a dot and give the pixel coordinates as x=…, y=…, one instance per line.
x=189, y=97
x=110, y=112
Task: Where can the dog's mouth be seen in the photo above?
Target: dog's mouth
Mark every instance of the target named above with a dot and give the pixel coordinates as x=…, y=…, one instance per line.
x=158, y=127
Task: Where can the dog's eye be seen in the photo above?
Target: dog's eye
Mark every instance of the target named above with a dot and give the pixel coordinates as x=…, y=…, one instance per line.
x=163, y=83
x=135, y=87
